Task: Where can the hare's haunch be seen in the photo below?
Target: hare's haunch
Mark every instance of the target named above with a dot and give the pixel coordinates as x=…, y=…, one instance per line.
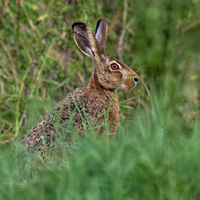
x=89, y=103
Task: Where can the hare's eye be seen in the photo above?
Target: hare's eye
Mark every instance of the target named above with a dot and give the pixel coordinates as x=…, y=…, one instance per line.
x=114, y=66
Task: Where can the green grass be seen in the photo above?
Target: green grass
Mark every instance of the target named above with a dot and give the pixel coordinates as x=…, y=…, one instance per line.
x=155, y=152
x=154, y=155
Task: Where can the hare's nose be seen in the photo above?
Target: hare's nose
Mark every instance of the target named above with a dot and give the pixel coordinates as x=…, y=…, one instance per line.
x=136, y=78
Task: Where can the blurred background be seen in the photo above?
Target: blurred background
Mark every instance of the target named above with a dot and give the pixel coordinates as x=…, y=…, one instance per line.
x=155, y=152
x=40, y=63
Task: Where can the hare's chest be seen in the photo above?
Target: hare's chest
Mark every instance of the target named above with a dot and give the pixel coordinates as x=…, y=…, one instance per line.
x=101, y=109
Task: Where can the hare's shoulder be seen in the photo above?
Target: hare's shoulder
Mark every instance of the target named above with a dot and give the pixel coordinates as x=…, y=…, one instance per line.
x=93, y=97
x=85, y=95
x=93, y=93
x=93, y=101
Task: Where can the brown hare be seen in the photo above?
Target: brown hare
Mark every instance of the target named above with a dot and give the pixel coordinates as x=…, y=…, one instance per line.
x=87, y=104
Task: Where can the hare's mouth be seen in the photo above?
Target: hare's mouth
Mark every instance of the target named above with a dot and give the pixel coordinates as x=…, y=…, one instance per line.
x=134, y=85
x=126, y=87
x=130, y=88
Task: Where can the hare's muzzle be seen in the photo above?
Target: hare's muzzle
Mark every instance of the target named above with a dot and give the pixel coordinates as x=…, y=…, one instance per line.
x=135, y=80
x=130, y=82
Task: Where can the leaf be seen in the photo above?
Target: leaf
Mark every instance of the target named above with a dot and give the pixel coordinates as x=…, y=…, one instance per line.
x=43, y=17
x=193, y=78
x=125, y=106
x=30, y=5
x=65, y=9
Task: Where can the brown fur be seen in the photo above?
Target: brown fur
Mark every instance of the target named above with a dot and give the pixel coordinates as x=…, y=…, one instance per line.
x=90, y=102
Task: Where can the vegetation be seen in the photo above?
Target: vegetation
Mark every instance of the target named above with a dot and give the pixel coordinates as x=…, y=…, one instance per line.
x=155, y=152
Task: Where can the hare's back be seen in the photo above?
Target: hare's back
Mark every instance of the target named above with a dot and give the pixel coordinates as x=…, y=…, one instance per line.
x=80, y=107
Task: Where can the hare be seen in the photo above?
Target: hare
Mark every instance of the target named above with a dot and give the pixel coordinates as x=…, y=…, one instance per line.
x=90, y=102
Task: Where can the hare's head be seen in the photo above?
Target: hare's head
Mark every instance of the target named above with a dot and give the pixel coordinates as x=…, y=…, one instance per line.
x=109, y=72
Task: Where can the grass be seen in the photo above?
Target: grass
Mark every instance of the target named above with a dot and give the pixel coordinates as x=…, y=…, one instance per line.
x=154, y=155
x=155, y=152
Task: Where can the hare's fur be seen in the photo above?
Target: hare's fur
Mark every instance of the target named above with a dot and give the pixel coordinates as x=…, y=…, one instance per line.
x=87, y=104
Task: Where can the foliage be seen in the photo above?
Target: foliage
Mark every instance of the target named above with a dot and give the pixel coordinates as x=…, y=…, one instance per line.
x=154, y=154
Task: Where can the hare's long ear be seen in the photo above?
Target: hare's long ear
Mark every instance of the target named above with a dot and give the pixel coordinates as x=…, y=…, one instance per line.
x=85, y=39
x=101, y=34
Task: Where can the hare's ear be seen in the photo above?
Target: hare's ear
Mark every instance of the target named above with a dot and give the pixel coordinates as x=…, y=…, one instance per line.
x=101, y=34
x=85, y=39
